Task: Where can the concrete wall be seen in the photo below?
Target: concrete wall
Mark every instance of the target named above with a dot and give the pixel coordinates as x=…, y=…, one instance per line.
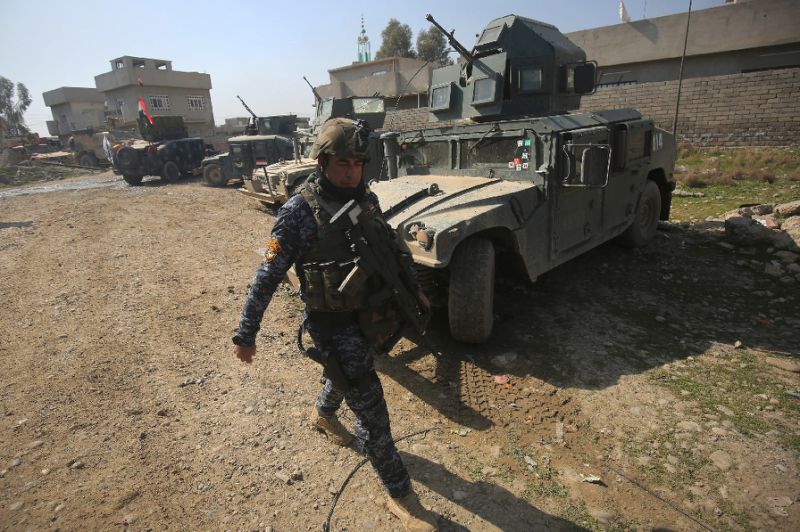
x=754, y=109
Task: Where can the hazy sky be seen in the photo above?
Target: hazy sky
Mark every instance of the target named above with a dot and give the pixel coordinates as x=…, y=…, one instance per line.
x=259, y=50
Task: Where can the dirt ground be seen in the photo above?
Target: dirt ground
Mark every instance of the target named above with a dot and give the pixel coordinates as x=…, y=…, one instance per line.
x=638, y=395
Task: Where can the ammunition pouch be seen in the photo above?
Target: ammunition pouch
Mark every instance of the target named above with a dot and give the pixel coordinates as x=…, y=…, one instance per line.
x=381, y=325
x=322, y=283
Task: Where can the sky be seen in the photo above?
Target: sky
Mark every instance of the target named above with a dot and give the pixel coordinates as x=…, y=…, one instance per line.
x=257, y=49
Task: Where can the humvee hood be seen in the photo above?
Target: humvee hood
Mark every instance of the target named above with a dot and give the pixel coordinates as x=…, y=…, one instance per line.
x=409, y=197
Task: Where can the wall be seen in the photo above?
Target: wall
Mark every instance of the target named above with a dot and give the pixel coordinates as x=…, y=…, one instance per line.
x=754, y=109
x=198, y=122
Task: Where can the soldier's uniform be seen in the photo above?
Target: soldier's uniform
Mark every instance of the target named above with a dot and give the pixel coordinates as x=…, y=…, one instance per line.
x=294, y=237
x=347, y=326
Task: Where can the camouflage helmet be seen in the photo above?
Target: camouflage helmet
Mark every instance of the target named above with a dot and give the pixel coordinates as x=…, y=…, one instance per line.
x=342, y=137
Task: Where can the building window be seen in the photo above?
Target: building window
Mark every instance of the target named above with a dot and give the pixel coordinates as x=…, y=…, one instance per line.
x=138, y=63
x=196, y=103
x=159, y=103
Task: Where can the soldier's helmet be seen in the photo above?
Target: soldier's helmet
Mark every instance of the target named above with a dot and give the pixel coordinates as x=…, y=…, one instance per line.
x=342, y=137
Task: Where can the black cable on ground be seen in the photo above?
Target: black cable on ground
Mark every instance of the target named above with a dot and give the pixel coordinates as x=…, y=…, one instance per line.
x=660, y=498
x=326, y=526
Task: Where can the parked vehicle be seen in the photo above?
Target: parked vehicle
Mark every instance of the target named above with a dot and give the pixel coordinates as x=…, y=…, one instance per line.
x=524, y=178
x=166, y=151
x=278, y=182
x=266, y=140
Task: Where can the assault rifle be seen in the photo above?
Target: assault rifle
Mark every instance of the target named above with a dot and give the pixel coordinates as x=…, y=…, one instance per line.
x=377, y=257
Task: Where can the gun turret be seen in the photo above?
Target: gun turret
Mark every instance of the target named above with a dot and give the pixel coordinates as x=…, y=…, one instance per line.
x=317, y=97
x=246, y=107
x=457, y=46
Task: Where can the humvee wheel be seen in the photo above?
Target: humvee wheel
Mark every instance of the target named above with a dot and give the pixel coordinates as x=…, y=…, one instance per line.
x=645, y=222
x=88, y=160
x=213, y=176
x=132, y=180
x=471, y=298
x=170, y=172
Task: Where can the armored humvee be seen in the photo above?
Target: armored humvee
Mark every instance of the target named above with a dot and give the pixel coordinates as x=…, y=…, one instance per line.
x=278, y=182
x=166, y=151
x=266, y=140
x=504, y=168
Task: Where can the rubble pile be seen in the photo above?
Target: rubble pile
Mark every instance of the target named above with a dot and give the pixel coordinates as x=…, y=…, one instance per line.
x=775, y=227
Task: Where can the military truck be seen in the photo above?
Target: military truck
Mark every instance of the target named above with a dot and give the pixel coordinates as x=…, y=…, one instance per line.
x=166, y=151
x=282, y=180
x=86, y=147
x=266, y=140
x=504, y=169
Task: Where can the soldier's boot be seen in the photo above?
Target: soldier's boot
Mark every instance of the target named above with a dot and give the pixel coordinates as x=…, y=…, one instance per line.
x=412, y=514
x=332, y=428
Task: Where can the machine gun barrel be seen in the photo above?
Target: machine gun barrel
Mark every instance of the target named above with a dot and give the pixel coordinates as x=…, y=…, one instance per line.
x=457, y=46
x=246, y=107
x=317, y=97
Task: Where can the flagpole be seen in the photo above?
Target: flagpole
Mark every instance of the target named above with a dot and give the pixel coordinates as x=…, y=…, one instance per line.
x=680, y=73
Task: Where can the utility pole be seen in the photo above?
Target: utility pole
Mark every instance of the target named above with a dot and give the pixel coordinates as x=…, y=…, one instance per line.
x=680, y=74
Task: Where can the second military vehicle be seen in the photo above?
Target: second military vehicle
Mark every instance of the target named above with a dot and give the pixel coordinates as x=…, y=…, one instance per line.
x=266, y=140
x=282, y=180
x=166, y=151
x=505, y=169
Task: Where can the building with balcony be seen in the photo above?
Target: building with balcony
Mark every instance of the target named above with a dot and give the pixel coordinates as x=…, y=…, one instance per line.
x=74, y=108
x=164, y=90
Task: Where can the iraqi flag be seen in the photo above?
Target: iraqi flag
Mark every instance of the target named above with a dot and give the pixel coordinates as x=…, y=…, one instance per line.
x=143, y=111
x=623, y=13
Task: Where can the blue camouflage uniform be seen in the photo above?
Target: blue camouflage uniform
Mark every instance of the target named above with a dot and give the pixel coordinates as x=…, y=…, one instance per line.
x=338, y=333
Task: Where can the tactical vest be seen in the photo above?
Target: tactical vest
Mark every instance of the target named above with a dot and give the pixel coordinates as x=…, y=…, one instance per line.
x=324, y=267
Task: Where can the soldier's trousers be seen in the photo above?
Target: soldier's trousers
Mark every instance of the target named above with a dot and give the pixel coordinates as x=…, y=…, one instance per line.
x=365, y=399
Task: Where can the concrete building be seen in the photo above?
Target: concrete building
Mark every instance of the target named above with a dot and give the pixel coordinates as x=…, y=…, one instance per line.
x=164, y=90
x=74, y=108
x=736, y=38
x=388, y=78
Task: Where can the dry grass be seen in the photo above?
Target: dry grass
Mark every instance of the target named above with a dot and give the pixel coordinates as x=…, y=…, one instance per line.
x=699, y=168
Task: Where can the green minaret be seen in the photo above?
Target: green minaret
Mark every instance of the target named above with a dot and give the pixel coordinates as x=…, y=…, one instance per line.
x=364, y=55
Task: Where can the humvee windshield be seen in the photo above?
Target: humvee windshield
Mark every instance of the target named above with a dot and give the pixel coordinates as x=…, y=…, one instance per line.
x=367, y=105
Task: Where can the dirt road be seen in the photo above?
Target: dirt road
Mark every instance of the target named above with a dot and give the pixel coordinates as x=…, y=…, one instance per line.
x=121, y=404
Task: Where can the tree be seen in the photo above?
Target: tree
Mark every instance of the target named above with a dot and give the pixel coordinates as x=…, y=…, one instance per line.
x=12, y=111
x=395, y=41
x=432, y=46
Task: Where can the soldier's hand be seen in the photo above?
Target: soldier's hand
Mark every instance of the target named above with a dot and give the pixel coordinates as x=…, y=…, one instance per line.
x=245, y=353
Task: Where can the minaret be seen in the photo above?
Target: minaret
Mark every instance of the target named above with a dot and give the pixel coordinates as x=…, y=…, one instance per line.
x=364, y=55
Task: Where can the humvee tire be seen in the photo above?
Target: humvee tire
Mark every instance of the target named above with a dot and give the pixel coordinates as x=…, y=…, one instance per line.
x=471, y=295
x=213, y=176
x=170, y=172
x=645, y=221
x=132, y=180
x=88, y=160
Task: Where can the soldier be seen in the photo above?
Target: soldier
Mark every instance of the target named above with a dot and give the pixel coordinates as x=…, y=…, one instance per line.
x=340, y=326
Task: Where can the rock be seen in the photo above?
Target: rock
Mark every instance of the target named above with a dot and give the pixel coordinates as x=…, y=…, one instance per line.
x=747, y=231
x=737, y=344
x=689, y=425
x=769, y=221
x=793, y=267
x=283, y=477
x=722, y=460
x=495, y=451
x=784, y=364
x=129, y=519
x=77, y=464
x=791, y=227
x=788, y=209
x=603, y=517
x=773, y=269
x=15, y=506
x=15, y=462
x=37, y=443
x=756, y=210
x=248, y=410
x=661, y=319
x=643, y=460
x=45, y=471
x=719, y=431
x=489, y=471
x=787, y=256
x=460, y=495
x=297, y=475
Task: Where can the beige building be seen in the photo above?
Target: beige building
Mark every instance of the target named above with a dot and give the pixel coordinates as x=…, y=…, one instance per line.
x=388, y=78
x=164, y=90
x=736, y=38
x=74, y=108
